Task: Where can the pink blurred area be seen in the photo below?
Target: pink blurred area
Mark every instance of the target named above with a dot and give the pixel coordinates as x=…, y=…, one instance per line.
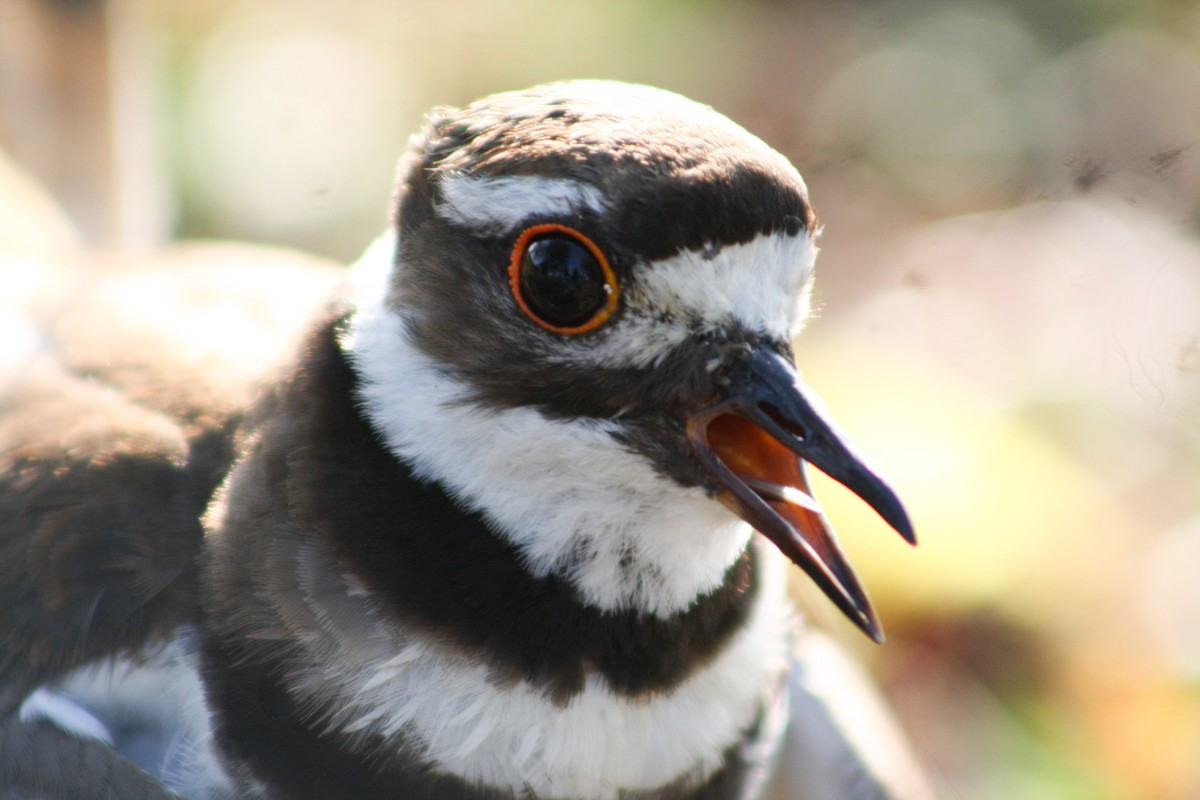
x=1008, y=312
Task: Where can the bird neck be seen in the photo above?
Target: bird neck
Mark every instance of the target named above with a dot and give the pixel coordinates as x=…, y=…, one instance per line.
x=406, y=643
x=568, y=494
x=441, y=564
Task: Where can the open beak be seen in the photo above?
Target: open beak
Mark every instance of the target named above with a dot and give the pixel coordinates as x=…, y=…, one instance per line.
x=755, y=441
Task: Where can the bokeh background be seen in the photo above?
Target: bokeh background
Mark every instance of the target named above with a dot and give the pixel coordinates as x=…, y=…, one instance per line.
x=1008, y=303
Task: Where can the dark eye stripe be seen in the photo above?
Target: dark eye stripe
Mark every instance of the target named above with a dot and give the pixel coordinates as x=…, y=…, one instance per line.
x=562, y=280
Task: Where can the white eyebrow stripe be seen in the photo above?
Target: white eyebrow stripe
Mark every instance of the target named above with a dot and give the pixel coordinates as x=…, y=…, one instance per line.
x=503, y=203
x=763, y=285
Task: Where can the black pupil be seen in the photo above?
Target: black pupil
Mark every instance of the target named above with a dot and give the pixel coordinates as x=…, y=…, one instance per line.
x=561, y=281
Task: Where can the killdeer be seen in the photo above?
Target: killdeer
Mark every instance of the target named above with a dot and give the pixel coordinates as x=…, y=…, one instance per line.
x=489, y=533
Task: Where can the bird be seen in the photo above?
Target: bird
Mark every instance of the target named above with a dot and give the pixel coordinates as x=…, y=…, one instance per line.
x=504, y=511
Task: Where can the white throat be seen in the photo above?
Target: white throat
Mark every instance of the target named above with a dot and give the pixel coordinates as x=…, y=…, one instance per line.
x=572, y=499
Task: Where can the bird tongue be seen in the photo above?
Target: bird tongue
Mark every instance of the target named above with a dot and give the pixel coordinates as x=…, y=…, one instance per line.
x=764, y=483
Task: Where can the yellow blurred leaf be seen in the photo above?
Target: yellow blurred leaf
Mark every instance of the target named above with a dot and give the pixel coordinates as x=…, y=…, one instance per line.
x=1004, y=516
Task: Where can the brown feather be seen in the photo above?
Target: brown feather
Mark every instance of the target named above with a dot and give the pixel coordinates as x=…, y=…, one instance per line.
x=114, y=436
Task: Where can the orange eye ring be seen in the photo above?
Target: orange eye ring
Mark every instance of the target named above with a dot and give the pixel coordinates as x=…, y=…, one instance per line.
x=612, y=289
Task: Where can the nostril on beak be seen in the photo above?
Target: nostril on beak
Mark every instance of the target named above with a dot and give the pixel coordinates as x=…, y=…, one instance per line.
x=791, y=426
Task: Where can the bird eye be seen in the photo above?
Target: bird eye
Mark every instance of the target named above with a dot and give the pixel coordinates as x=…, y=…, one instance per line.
x=561, y=279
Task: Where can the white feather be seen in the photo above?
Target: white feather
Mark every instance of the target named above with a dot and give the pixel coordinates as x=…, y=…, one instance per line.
x=50, y=706
x=454, y=714
x=493, y=204
x=759, y=284
x=154, y=707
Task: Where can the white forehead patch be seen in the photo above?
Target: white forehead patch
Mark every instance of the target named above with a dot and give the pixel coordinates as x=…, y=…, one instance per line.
x=505, y=202
x=763, y=285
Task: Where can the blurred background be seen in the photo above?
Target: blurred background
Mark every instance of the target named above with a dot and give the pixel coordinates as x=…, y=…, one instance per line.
x=1008, y=312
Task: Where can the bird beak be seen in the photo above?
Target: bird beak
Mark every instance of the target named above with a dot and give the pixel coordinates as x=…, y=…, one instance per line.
x=755, y=441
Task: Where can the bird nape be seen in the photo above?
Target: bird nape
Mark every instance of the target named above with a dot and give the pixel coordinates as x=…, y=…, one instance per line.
x=479, y=526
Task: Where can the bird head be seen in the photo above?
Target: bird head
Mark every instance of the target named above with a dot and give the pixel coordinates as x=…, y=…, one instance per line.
x=632, y=263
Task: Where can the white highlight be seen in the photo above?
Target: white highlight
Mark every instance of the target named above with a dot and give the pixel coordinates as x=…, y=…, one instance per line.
x=505, y=202
x=572, y=499
x=596, y=745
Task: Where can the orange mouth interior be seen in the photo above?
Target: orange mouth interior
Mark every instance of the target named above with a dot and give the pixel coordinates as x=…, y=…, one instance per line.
x=775, y=474
x=754, y=456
